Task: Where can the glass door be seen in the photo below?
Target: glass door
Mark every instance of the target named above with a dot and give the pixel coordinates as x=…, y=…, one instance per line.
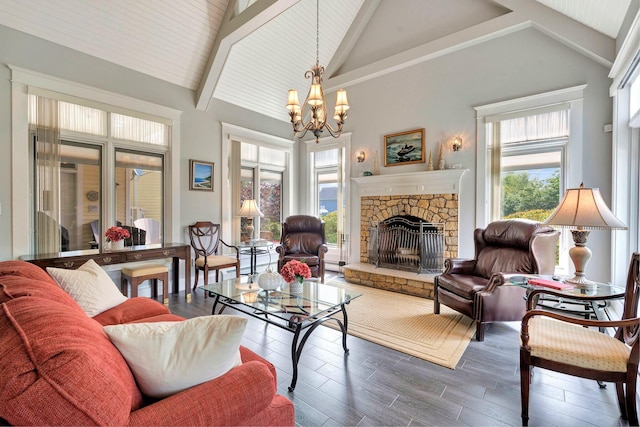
x=329, y=203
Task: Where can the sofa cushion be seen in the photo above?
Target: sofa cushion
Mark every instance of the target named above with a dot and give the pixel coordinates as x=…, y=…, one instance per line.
x=132, y=310
x=12, y=287
x=168, y=357
x=56, y=357
x=20, y=278
x=23, y=269
x=89, y=286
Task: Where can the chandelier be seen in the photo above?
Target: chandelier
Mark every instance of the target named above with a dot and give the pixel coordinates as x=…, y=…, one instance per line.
x=315, y=106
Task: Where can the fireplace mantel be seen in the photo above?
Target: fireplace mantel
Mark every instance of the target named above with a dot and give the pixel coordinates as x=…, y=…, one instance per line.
x=427, y=182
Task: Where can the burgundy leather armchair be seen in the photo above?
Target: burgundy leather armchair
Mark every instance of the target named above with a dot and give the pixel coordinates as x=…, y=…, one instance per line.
x=480, y=288
x=303, y=239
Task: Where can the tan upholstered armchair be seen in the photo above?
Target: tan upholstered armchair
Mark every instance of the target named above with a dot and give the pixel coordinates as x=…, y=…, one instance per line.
x=303, y=239
x=572, y=346
x=479, y=287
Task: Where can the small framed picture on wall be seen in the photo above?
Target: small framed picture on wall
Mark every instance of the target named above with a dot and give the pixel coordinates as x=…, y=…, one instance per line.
x=200, y=175
x=404, y=148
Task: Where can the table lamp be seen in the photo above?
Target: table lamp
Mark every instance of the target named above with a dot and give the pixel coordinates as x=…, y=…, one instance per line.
x=250, y=210
x=583, y=209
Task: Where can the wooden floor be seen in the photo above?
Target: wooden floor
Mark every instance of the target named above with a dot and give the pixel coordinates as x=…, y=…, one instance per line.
x=376, y=386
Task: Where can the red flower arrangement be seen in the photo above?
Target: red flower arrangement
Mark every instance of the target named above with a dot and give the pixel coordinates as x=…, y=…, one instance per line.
x=115, y=234
x=295, y=270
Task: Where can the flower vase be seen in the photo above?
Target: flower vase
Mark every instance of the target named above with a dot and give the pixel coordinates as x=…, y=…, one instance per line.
x=296, y=286
x=117, y=245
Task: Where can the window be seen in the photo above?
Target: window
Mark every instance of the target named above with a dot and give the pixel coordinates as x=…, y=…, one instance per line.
x=67, y=195
x=328, y=191
x=523, y=167
x=329, y=188
x=271, y=204
x=139, y=191
x=73, y=202
x=531, y=164
x=261, y=178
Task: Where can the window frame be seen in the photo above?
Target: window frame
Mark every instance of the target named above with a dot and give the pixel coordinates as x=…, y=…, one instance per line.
x=24, y=82
x=232, y=135
x=343, y=144
x=537, y=147
x=572, y=171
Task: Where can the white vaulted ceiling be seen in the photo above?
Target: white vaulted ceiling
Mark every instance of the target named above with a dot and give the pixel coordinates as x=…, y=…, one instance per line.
x=604, y=16
x=249, y=52
x=170, y=40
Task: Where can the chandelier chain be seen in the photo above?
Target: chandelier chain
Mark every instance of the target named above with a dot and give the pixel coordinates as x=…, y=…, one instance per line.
x=317, y=32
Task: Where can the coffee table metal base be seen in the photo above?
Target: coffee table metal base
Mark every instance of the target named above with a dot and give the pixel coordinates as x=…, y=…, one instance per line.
x=296, y=325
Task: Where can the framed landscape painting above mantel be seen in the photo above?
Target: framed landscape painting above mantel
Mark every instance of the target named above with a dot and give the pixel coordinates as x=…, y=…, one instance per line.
x=200, y=175
x=404, y=148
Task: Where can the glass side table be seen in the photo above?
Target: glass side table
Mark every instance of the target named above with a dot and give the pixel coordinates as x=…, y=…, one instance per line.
x=252, y=248
x=576, y=301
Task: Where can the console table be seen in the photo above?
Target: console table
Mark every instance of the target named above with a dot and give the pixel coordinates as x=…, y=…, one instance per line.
x=74, y=259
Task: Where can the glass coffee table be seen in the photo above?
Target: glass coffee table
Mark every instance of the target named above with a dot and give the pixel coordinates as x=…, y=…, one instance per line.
x=300, y=313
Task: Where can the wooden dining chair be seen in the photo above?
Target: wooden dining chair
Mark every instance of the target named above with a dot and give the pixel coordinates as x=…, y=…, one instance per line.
x=207, y=245
x=564, y=344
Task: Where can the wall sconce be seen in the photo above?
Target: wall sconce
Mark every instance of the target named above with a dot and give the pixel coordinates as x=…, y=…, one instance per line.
x=457, y=143
x=360, y=157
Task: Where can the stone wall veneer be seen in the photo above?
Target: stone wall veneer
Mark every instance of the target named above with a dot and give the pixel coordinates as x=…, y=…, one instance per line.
x=433, y=208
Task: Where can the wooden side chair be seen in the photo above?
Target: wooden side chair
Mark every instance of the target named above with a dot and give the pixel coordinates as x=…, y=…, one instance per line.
x=564, y=344
x=207, y=245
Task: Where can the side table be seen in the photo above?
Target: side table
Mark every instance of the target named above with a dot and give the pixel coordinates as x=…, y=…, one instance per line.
x=576, y=301
x=253, y=248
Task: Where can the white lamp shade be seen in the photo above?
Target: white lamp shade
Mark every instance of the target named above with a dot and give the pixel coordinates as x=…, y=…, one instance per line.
x=315, y=95
x=293, y=103
x=250, y=209
x=341, y=100
x=584, y=208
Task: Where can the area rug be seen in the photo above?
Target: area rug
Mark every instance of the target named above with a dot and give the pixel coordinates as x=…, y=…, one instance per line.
x=407, y=324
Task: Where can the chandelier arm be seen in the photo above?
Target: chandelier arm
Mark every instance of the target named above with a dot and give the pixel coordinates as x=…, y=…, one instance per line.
x=334, y=132
x=300, y=134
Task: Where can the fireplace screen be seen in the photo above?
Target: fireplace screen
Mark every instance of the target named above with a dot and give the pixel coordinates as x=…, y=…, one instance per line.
x=407, y=243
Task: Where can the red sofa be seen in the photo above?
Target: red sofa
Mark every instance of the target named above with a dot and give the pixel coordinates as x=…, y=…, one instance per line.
x=58, y=367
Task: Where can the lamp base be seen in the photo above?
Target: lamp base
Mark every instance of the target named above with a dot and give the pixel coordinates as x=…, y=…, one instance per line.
x=250, y=228
x=580, y=254
x=581, y=282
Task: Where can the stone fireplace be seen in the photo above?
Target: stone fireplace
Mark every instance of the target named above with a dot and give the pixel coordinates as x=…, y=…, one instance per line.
x=405, y=242
x=430, y=196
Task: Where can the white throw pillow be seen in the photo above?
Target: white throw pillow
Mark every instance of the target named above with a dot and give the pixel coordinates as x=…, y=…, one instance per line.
x=168, y=357
x=89, y=286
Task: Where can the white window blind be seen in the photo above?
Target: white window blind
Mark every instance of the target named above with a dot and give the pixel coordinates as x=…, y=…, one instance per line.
x=270, y=156
x=135, y=129
x=535, y=128
x=93, y=121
